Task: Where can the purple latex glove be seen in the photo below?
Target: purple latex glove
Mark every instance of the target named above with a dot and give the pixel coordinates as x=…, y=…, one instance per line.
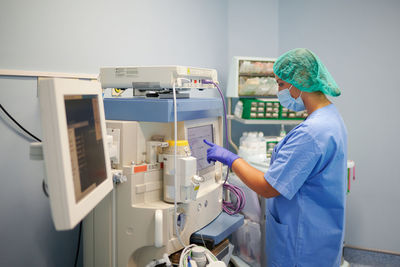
x=217, y=153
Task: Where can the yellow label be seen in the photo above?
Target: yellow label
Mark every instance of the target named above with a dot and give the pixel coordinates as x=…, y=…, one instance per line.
x=188, y=71
x=197, y=188
x=178, y=143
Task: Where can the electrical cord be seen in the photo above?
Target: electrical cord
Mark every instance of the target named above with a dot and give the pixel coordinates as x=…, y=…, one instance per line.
x=44, y=186
x=229, y=207
x=79, y=245
x=19, y=125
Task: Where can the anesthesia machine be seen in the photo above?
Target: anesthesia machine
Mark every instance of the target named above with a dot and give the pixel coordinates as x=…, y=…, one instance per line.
x=150, y=141
x=136, y=172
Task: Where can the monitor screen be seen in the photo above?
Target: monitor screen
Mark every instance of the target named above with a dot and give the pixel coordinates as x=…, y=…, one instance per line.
x=85, y=143
x=196, y=135
x=78, y=171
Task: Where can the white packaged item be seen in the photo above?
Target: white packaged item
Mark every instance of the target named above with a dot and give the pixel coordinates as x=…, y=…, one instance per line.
x=251, y=144
x=239, y=109
x=247, y=241
x=246, y=67
x=248, y=86
x=267, y=86
x=259, y=161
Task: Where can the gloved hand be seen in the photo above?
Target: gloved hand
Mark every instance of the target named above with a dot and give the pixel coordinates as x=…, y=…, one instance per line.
x=217, y=153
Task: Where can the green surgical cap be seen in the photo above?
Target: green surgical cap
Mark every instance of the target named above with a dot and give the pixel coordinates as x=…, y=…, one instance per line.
x=303, y=69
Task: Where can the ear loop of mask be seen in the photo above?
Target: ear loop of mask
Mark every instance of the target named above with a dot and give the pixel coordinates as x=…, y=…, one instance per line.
x=301, y=92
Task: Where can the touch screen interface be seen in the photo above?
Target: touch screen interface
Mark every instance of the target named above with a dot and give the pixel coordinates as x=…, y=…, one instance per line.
x=85, y=143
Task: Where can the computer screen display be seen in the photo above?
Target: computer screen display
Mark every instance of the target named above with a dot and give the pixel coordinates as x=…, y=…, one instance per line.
x=85, y=143
x=78, y=171
x=196, y=135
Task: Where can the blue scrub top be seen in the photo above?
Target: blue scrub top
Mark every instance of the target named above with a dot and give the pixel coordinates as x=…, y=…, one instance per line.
x=305, y=224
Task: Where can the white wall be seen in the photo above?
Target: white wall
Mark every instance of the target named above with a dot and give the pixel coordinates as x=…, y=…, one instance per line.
x=252, y=32
x=253, y=28
x=73, y=36
x=358, y=41
x=79, y=37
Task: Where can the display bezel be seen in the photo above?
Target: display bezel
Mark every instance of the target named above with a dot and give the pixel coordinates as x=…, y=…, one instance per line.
x=66, y=211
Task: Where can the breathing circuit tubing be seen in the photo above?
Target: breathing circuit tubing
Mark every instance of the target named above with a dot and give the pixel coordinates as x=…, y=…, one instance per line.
x=229, y=207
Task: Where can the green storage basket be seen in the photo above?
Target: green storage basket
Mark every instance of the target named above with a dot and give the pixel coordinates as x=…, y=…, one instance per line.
x=256, y=109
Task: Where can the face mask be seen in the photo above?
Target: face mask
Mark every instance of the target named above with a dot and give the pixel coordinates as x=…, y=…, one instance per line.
x=289, y=102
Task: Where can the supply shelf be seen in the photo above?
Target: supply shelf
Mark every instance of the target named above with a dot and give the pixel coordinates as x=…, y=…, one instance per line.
x=250, y=74
x=265, y=122
x=241, y=69
x=269, y=97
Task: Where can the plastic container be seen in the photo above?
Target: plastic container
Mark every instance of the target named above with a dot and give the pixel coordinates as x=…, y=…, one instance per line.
x=199, y=256
x=182, y=148
x=239, y=109
x=247, y=241
x=270, y=144
x=252, y=143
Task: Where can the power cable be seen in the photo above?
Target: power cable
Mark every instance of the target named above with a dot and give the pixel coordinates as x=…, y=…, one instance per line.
x=19, y=125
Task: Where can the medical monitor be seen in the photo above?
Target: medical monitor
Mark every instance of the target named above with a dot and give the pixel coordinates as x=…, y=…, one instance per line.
x=195, y=135
x=76, y=157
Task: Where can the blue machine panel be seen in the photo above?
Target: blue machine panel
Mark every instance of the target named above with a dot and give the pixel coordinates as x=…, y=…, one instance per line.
x=161, y=110
x=219, y=229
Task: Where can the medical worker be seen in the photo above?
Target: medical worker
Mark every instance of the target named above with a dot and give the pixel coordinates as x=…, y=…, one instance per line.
x=305, y=183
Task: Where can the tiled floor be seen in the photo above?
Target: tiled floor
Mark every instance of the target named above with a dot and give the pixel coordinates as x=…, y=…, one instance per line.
x=361, y=258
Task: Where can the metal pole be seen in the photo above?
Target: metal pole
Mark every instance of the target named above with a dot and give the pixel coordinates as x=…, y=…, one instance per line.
x=229, y=126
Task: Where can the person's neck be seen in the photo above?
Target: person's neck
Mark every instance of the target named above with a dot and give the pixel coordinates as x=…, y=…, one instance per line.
x=315, y=101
